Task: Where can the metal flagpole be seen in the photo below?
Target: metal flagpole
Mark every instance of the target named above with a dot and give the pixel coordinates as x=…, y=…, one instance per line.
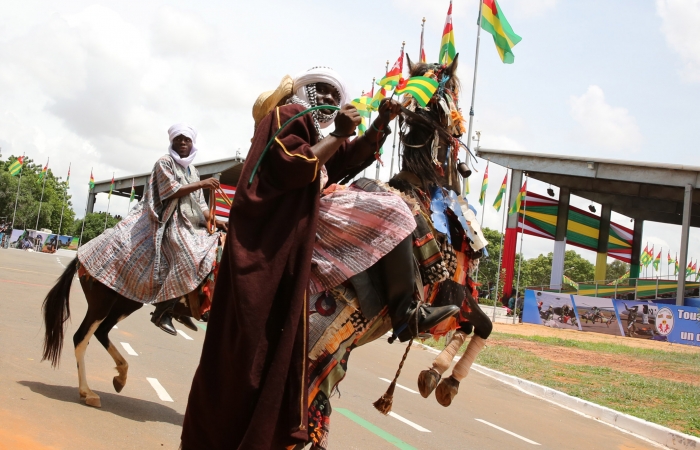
x=520, y=262
x=64, y=203
x=80, y=241
x=19, y=183
x=41, y=199
x=386, y=70
x=471, y=108
x=483, y=210
x=109, y=199
x=504, y=205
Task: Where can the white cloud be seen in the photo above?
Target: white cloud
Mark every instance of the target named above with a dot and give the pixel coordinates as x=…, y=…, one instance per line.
x=602, y=125
x=180, y=33
x=681, y=27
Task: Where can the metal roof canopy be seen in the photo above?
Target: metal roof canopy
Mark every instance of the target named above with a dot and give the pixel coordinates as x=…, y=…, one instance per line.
x=639, y=190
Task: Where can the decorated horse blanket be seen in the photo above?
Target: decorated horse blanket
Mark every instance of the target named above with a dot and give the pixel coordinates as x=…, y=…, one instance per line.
x=161, y=250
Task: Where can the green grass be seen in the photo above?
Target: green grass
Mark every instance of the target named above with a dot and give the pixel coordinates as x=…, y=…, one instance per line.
x=669, y=403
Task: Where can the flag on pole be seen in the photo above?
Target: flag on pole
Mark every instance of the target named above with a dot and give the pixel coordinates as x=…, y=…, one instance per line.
x=222, y=206
x=494, y=22
x=133, y=191
x=68, y=177
x=44, y=171
x=447, y=45
x=422, y=49
x=111, y=187
x=92, y=181
x=377, y=99
x=16, y=166
x=569, y=282
x=670, y=260
x=484, y=186
x=363, y=105
x=677, y=268
x=624, y=276
x=657, y=261
x=646, y=257
x=393, y=76
x=466, y=186
x=501, y=194
x=518, y=199
x=689, y=269
x=420, y=88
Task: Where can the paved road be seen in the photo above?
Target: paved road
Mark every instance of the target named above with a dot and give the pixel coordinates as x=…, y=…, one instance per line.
x=40, y=409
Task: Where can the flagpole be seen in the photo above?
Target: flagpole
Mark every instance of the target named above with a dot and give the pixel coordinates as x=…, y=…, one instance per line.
x=396, y=124
x=41, y=199
x=476, y=66
x=19, y=183
x=522, y=234
x=504, y=205
x=483, y=210
x=64, y=203
x=80, y=241
x=109, y=200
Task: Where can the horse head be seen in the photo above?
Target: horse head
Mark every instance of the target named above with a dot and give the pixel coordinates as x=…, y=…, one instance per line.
x=430, y=136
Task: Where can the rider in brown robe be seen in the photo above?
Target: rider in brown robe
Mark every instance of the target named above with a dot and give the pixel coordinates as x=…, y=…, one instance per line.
x=249, y=391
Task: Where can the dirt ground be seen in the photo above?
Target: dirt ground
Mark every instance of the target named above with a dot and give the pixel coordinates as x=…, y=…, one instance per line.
x=625, y=363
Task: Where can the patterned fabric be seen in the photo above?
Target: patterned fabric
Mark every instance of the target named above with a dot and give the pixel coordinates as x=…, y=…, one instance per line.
x=355, y=229
x=161, y=250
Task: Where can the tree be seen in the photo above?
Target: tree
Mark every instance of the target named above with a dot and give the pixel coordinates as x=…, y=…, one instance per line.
x=616, y=269
x=94, y=226
x=30, y=195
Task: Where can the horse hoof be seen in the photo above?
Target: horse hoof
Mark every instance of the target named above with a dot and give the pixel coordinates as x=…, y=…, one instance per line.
x=427, y=380
x=118, y=384
x=446, y=391
x=93, y=401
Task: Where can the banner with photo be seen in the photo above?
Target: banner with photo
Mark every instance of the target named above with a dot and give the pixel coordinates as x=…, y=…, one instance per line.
x=74, y=243
x=596, y=315
x=54, y=242
x=660, y=322
x=550, y=309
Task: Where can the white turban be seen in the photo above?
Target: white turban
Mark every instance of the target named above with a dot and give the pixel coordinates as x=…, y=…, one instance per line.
x=187, y=131
x=320, y=75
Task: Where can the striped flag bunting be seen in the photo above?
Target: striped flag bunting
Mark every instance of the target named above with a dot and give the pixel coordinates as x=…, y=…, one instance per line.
x=222, y=208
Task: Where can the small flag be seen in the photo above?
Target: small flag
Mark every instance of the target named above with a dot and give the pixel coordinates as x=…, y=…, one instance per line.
x=646, y=257
x=484, y=186
x=68, y=177
x=466, y=186
x=501, y=194
x=393, y=76
x=92, y=181
x=420, y=88
x=422, y=49
x=677, y=268
x=518, y=199
x=16, y=166
x=44, y=170
x=363, y=105
x=362, y=127
x=447, y=45
x=657, y=261
x=625, y=276
x=569, y=282
x=111, y=187
x=689, y=269
x=670, y=260
x=493, y=21
x=377, y=99
x=133, y=191
x=222, y=207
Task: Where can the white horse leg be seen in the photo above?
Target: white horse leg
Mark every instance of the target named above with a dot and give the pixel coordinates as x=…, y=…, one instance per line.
x=428, y=379
x=91, y=399
x=448, y=388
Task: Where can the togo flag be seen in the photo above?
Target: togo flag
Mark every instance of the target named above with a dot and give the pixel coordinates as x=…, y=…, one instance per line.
x=16, y=167
x=420, y=88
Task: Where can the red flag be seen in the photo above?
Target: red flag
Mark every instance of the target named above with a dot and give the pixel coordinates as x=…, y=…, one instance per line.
x=222, y=207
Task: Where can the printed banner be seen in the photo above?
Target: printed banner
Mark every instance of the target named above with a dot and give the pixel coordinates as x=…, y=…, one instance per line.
x=54, y=242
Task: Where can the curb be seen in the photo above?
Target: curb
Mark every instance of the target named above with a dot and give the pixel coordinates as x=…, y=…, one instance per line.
x=633, y=425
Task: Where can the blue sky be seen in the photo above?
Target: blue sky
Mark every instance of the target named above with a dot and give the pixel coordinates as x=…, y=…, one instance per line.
x=98, y=83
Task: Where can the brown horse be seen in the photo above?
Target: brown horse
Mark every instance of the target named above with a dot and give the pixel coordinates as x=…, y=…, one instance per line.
x=106, y=308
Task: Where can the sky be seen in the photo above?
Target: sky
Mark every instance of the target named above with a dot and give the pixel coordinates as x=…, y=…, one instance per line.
x=97, y=83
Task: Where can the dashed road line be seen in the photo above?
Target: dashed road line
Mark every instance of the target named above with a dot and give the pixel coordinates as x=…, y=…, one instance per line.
x=203, y=326
x=160, y=390
x=374, y=429
x=129, y=349
x=183, y=334
x=399, y=386
x=508, y=432
x=408, y=422
x=59, y=261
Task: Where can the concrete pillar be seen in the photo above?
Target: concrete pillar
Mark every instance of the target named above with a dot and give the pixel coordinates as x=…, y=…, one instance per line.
x=601, y=262
x=91, y=202
x=685, y=231
x=510, y=241
x=555, y=278
x=636, y=248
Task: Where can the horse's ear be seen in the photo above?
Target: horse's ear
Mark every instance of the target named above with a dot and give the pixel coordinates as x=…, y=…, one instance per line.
x=410, y=64
x=452, y=68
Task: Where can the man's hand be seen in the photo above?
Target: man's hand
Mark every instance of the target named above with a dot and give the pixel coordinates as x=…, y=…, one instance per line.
x=347, y=120
x=388, y=110
x=209, y=183
x=220, y=224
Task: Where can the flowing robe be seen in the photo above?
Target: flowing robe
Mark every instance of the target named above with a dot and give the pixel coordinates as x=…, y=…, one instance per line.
x=161, y=250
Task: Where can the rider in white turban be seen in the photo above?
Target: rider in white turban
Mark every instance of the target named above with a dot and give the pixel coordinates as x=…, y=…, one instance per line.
x=181, y=129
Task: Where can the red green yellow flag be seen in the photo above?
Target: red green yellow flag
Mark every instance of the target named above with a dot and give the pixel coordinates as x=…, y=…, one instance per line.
x=447, y=44
x=484, y=186
x=657, y=261
x=16, y=166
x=689, y=269
x=493, y=21
x=501, y=194
x=378, y=97
x=44, y=170
x=92, y=181
x=68, y=177
x=422, y=49
x=677, y=268
x=645, y=258
x=669, y=259
x=393, y=76
x=420, y=88
x=111, y=188
x=518, y=199
x=363, y=105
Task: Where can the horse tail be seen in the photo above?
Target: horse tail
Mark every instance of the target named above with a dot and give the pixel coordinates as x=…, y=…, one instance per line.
x=56, y=312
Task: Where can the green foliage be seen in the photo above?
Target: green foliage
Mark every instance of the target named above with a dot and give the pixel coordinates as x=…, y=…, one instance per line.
x=94, y=226
x=616, y=269
x=30, y=195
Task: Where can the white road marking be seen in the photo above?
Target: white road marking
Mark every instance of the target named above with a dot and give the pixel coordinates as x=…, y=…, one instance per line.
x=59, y=261
x=160, y=390
x=183, y=334
x=408, y=422
x=509, y=432
x=399, y=386
x=129, y=349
